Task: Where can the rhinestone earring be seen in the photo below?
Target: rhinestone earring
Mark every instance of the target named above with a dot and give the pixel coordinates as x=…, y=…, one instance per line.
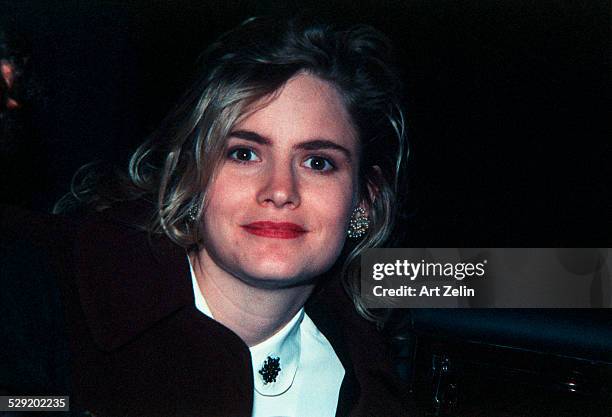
x=359, y=223
x=192, y=213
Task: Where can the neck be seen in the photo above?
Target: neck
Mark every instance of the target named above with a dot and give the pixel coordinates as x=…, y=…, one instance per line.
x=253, y=313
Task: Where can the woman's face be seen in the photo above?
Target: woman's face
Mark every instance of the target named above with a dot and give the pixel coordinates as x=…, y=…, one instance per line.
x=278, y=210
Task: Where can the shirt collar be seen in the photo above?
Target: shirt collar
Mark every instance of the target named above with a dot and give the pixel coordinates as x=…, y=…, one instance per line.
x=284, y=345
x=200, y=302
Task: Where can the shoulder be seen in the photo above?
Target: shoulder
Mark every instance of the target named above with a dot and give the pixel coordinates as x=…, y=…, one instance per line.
x=39, y=244
x=56, y=237
x=49, y=267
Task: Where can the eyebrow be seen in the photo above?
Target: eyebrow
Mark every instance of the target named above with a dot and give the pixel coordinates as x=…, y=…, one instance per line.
x=251, y=136
x=311, y=145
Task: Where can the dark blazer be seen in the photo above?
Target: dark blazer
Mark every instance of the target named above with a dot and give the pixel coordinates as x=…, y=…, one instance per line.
x=103, y=311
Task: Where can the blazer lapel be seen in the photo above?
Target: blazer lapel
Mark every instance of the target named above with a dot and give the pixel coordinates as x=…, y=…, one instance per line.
x=144, y=349
x=127, y=280
x=326, y=319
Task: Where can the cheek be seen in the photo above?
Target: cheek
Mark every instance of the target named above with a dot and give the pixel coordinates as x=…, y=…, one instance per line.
x=226, y=194
x=223, y=206
x=334, y=214
x=220, y=209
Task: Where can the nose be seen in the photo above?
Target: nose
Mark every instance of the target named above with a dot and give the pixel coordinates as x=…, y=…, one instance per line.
x=279, y=188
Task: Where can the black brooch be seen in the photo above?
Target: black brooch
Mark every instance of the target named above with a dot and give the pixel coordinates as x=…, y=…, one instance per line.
x=270, y=369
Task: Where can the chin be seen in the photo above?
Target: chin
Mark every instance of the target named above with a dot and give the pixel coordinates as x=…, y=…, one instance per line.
x=279, y=274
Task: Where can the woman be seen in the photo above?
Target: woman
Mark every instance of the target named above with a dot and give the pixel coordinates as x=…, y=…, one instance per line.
x=212, y=283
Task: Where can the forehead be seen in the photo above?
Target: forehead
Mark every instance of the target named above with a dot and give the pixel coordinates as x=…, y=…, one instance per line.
x=305, y=108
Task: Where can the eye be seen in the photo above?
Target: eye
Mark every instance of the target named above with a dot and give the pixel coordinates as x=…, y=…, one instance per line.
x=243, y=155
x=319, y=163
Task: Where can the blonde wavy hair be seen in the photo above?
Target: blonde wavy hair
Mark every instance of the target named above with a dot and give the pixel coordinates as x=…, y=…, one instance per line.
x=174, y=167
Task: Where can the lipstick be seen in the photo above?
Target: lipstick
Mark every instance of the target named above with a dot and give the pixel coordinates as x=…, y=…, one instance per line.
x=278, y=230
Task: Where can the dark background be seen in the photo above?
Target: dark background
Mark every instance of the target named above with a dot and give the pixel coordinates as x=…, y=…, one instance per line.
x=507, y=104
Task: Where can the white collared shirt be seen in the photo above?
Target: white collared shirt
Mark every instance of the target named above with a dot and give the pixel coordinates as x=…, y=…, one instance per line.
x=308, y=384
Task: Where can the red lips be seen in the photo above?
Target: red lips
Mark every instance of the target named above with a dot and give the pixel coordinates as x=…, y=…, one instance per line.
x=280, y=230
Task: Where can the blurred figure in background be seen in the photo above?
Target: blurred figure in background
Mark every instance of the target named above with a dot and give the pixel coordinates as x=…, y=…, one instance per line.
x=21, y=95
